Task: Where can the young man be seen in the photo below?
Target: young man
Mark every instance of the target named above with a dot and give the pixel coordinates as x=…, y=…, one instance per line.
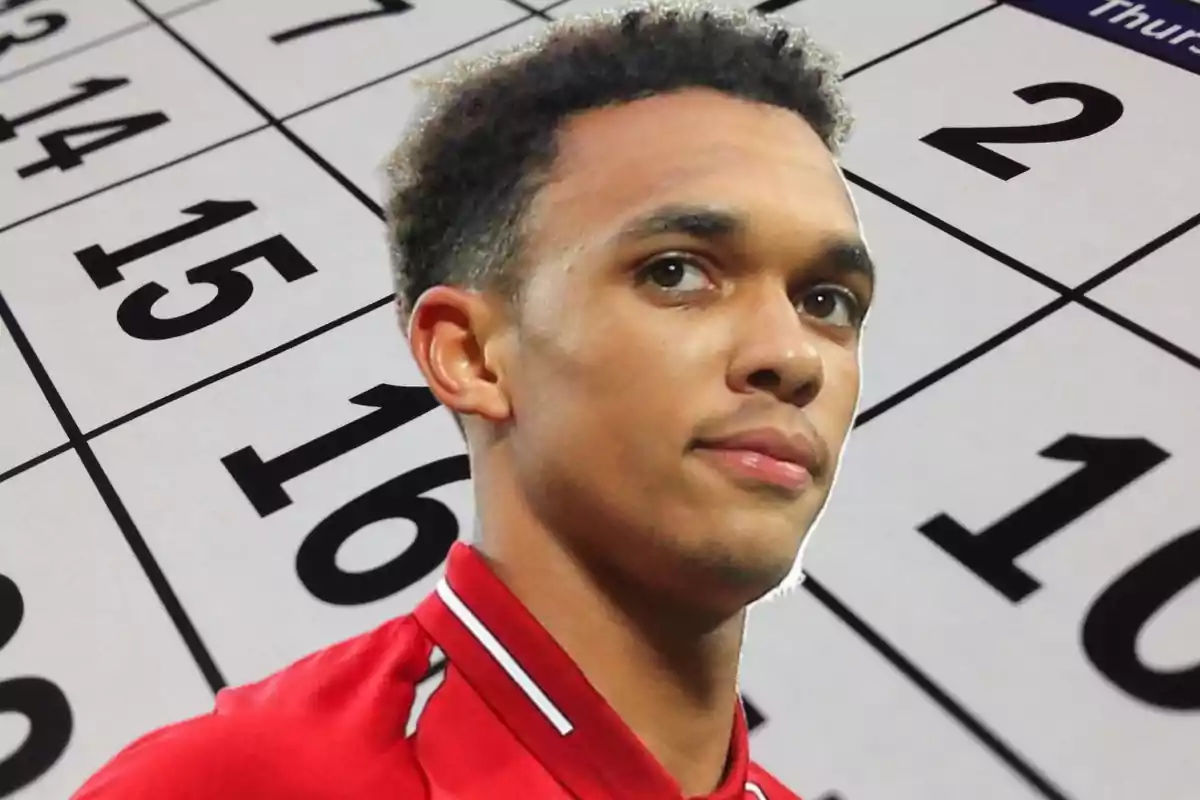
x=627, y=262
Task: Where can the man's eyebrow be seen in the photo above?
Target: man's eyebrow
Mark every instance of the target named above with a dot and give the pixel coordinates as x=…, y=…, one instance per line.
x=848, y=257
x=701, y=222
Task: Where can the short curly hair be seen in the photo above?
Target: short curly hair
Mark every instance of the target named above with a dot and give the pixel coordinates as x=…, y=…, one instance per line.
x=462, y=179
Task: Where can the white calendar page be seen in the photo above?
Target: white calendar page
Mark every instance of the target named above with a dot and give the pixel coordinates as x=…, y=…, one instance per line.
x=1003, y=600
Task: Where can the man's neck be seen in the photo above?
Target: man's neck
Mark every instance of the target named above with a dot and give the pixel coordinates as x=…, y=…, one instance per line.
x=676, y=691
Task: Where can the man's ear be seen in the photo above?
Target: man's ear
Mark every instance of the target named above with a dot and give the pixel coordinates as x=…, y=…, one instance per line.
x=454, y=335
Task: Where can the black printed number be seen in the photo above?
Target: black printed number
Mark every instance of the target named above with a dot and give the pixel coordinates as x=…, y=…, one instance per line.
x=136, y=315
x=261, y=481
x=1108, y=466
x=1112, y=625
x=59, y=151
x=771, y=6
x=398, y=498
x=1099, y=111
x=1116, y=619
x=44, y=24
x=385, y=7
x=38, y=700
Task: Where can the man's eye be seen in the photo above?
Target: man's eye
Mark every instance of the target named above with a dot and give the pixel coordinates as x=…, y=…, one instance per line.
x=833, y=305
x=676, y=273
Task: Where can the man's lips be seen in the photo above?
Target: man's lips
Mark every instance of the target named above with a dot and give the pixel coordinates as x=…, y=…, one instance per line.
x=767, y=455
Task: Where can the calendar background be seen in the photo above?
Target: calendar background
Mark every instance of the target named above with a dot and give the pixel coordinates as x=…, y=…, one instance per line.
x=204, y=477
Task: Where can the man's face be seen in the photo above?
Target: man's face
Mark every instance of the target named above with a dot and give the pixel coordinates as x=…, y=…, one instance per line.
x=694, y=272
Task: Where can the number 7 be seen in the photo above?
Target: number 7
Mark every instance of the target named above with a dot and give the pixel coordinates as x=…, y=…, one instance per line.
x=385, y=7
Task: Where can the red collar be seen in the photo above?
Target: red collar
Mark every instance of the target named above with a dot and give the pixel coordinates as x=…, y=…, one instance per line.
x=541, y=695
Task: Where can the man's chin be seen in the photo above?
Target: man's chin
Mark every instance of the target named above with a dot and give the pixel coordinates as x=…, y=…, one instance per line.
x=734, y=574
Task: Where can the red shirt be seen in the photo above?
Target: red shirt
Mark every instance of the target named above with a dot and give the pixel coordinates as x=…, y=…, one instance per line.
x=512, y=717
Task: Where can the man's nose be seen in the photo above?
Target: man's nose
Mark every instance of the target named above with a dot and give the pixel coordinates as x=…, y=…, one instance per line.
x=778, y=354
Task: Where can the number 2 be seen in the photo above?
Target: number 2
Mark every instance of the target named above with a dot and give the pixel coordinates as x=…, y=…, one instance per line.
x=1100, y=110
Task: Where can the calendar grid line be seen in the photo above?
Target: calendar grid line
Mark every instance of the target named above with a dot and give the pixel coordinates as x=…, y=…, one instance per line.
x=272, y=121
x=240, y=367
x=33, y=462
x=138, y=176
x=74, y=51
x=1104, y=275
x=973, y=242
x=889, y=652
x=192, y=6
x=413, y=66
x=920, y=41
x=116, y=508
x=954, y=365
x=1071, y=294
x=200, y=384
x=100, y=40
x=534, y=12
x=1147, y=335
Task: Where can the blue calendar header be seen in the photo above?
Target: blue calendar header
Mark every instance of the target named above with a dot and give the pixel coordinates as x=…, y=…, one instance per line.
x=1168, y=30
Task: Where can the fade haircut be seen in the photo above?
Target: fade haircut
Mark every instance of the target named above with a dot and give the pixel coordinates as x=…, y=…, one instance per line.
x=463, y=178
